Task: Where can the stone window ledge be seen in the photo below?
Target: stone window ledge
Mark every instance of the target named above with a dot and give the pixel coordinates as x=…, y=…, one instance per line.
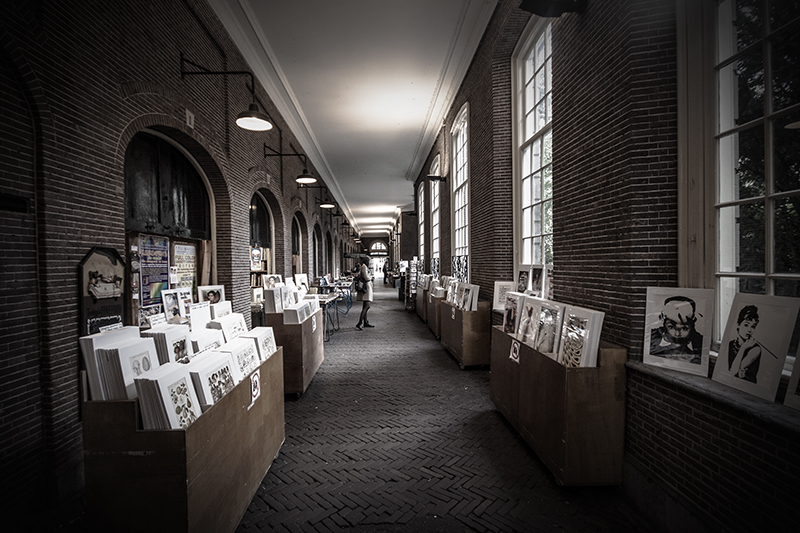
x=773, y=414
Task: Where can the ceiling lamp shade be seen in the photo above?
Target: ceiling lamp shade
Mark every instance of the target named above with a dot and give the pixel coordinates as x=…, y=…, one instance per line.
x=253, y=119
x=305, y=178
x=327, y=205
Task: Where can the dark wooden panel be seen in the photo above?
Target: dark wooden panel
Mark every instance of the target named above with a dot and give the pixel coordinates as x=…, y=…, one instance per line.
x=504, y=378
x=435, y=315
x=303, y=350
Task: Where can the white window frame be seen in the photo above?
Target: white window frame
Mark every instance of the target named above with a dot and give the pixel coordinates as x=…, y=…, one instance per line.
x=530, y=136
x=459, y=141
x=435, y=212
x=421, y=220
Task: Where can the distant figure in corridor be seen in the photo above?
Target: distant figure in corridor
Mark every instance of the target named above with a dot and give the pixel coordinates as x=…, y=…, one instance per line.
x=364, y=281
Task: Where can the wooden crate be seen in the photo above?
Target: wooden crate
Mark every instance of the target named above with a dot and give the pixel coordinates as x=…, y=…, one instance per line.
x=422, y=304
x=434, y=306
x=303, y=349
x=574, y=418
x=466, y=334
x=504, y=377
x=199, y=479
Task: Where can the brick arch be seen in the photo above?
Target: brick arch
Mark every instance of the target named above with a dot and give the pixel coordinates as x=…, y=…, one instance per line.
x=208, y=160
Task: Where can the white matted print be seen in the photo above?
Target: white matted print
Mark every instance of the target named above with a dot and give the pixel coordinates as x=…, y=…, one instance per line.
x=755, y=343
x=211, y=293
x=678, y=328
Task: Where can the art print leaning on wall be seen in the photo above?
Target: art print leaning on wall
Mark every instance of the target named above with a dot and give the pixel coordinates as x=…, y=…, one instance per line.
x=678, y=328
x=756, y=342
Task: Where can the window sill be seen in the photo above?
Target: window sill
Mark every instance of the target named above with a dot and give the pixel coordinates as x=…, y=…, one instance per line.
x=773, y=414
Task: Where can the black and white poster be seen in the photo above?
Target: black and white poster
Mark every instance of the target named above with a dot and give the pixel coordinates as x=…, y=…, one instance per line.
x=678, y=328
x=755, y=343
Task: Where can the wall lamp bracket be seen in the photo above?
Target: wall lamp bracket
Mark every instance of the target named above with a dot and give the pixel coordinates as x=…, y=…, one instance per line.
x=306, y=177
x=253, y=119
x=436, y=178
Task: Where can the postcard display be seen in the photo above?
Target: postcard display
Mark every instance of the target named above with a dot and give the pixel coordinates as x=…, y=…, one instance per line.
x=466, y=334
x=201, y=478
x=572, y=417
x=302, y=347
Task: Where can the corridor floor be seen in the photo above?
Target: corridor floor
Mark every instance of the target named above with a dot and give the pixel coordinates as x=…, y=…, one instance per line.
x=391, y=436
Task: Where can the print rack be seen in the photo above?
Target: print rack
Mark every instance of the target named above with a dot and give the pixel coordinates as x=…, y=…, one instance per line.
x=198, y=479
x=466, y=334
x=573, y=418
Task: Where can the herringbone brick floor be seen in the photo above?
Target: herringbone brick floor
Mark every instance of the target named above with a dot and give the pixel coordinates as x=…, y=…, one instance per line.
x=391, y=436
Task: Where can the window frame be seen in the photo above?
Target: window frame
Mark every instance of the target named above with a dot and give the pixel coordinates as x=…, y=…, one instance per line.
x=421, y=220
x=435, y=191
x=460, y=186
x=526, y=47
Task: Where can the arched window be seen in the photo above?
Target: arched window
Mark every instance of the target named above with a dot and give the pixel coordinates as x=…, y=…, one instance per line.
x=297, y=247
x=261, y=229
x=164, y=191
x=328, y=254
x=435, y=169
x=460, y=166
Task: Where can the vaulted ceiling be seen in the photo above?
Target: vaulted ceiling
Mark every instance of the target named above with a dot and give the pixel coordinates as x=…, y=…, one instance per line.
x=363, y=84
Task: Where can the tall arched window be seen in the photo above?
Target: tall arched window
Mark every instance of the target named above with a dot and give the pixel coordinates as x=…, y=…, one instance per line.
x=460, y=166
x=297, y=247
x=534, y=156
x=261, y=229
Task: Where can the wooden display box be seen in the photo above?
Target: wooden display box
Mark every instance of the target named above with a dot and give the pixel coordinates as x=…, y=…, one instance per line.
x=573, y=418
x=202, y=478
x=434, y=306
x=303, y=349
x=466, y=334
x=504, y=378
x=422, y=304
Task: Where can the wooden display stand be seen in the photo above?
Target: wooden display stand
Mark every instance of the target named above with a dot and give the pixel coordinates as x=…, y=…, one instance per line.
x=434, y=306
x=573, y=418
x=422, y=304
x=202, y=478
x=303, y=349
x=466, y=334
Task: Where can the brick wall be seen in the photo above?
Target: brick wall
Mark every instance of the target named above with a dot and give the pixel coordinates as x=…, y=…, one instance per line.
x=22, y=432
x=85, y=78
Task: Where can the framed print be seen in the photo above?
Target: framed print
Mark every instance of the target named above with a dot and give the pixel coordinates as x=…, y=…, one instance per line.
x=793, y=391
x=678, y=328
x=102, y=290
x=500, y=290
x=211, y=293
x=755, y=343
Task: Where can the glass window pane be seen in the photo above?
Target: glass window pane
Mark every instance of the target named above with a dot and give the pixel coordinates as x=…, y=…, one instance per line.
x=548, y=36
x=540, y=116
x=527, y=252
x=537, y=187
x=741, y=238
x=548, y=104
x=548, y=148
x=536, y=159
x=537, y=251
x=547, y=174
x=537, y=219
x=787, y=235
x=739, y=25
x=781, y=12
x=741, y=91
x=786, y=159
x=540, y=51
x=529, y=69
x=548, y=75
x=530, y=124
x=540, y=84
x=526, y=191
x=526, y=222
x=785, y=55
x=526, y=161
x=530, y=98
x=548, y=249
x=741, y=165
x=548, y=216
